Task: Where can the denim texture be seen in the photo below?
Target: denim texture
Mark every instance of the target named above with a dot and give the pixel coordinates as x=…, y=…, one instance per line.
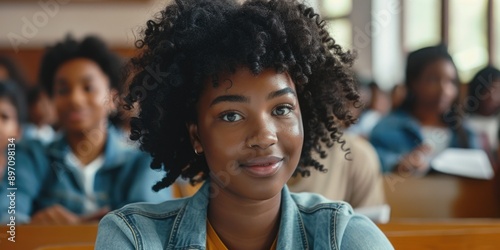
x=308, y=221
x=43, y=178
x=399, y=133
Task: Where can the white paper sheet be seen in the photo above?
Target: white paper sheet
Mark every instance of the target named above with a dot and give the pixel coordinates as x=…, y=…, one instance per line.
x=472, y=163
x=378, y=214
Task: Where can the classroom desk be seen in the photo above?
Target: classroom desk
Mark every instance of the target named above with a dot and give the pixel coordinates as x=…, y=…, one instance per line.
x=30, y=237
x=466, y=234
x=441, y=196
x=403, y=234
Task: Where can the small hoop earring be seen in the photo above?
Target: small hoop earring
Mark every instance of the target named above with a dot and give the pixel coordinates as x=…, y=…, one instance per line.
x=196, y=152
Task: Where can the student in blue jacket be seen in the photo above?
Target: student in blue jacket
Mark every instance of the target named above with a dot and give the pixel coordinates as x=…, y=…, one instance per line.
x=239, y=95
x=90, y=169
x=429, y=120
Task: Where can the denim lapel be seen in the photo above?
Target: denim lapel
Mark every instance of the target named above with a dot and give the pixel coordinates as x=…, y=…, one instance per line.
x=292, y=233
x=190, y=229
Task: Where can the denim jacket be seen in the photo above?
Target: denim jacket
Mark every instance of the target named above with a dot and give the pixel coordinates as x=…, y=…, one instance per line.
x=43, y=178
x=399, y=133
x=308, y=221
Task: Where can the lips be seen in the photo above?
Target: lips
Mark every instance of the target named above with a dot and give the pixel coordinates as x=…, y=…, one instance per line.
x=262, y=166
x=76, y=115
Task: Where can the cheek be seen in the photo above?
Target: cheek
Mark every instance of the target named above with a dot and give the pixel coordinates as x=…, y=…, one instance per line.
x=293, y=137
x=451, y=91
x=10, y=128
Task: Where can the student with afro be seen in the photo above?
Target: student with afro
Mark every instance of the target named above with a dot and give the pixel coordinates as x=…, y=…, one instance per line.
x=239, y=95
x=89, y=170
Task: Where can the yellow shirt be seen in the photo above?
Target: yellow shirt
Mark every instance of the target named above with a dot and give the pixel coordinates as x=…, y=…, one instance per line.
x=214, y=242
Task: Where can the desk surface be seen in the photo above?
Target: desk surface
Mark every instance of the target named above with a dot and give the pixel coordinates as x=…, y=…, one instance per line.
x=31, y=237
x=441, y=196
x=408, y=234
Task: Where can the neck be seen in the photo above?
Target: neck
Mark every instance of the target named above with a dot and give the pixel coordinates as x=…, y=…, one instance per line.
x=428, y=116
x=87, y=145
x=244, y=224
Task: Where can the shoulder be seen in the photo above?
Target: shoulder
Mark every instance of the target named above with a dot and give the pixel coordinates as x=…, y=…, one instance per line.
x=139, y=225
x=347, y=229
x=361, y=233
x=398, y=126
x=147, y=210
x=32, y=154
x=312, y=202
x=395, y=119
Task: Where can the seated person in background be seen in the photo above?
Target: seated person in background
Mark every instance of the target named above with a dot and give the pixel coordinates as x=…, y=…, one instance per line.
x=89, y=170
x=354, y=178
x=42, y=117
x=483, y=104
x=12, y=110
x=375, y=106
x=398, y=94
x=250, y=88
x=428, y=121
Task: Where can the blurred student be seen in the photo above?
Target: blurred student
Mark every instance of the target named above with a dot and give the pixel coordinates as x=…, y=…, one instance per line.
x=89, y=171
x=483, y=104
x=353, y=176
x=12, y=110
x=375, y=105
x=42, y=116
x=427, y=122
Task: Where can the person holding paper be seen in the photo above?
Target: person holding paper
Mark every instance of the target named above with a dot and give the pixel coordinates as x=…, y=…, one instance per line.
x=428, y=121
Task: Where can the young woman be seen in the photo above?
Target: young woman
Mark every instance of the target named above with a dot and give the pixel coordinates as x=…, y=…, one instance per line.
x=428, y=121
x=239, y=95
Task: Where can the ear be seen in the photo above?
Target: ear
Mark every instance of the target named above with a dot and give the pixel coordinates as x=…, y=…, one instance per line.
x=195, y=139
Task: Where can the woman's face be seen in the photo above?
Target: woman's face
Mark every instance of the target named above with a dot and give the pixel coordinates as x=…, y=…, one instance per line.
x=436, y=87
x=250, y=131
x=81, y=95
x=490, y=102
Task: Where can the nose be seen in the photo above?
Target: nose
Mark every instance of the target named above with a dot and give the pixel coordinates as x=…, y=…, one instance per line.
x=448, y=88
x=76, y=97
x=262, y=134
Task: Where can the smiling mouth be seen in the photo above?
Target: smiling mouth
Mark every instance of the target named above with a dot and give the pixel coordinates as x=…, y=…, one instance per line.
x=75, y=115
x=263, y=167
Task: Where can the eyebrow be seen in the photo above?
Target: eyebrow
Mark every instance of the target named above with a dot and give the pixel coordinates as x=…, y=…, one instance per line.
x=230, y=98
x=244, y=99
x=281, y=92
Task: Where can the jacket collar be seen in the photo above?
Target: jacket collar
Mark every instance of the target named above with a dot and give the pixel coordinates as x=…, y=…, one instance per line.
x=115, y=149
x=192, y=218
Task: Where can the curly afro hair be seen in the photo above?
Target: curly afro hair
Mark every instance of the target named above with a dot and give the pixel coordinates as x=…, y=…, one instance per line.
x=91, y=48
x=191, y=41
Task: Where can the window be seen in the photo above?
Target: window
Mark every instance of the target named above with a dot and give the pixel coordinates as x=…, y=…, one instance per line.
x=462, y=24
x=336, y=14
x=422, y=20
x=468, y=38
